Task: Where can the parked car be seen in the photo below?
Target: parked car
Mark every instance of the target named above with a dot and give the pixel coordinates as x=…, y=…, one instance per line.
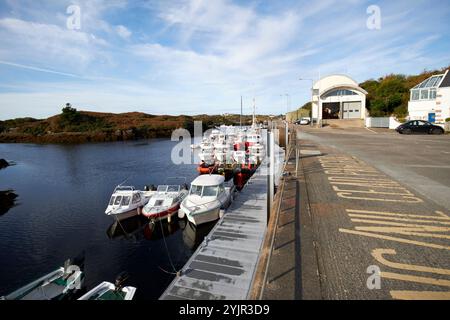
x=419, y=126
x=303, y=121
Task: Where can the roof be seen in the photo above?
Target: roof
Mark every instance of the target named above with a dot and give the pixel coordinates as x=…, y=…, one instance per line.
x=431, y=82
x=446, y=81
x=208, y=180
x=336, y=81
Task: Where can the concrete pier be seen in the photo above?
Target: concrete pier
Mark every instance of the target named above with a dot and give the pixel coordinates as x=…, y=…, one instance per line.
x=223, y=266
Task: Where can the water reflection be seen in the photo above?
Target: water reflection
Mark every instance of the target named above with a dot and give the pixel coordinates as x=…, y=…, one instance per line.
x=194, y=235
x=7, y=201
x=139, y=228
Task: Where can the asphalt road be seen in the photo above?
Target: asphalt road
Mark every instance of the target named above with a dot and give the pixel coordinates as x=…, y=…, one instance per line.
x=422, y=162
x=379, y=210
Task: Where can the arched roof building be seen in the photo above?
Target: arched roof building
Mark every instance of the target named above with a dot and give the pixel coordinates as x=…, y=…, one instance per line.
x=338, y=97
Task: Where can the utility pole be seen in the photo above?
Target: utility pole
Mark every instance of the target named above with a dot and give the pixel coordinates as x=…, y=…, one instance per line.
x=312, y=97
x=240, y=117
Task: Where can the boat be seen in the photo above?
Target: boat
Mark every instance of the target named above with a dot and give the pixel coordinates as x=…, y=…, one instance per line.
x=60, y=284
x=164, y=202
x=208, y=195
x=109, y=291
x=126, y=202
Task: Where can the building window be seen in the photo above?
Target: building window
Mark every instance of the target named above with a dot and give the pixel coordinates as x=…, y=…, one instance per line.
x=424, y=94
x=414, y=95
x=433, y=94
x=340, y=92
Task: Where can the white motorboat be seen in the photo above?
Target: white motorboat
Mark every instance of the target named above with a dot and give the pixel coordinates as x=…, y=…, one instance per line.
x=126, y=202
x=164, y=202
x=56, y=285
x=109, y=291
x=207, y=196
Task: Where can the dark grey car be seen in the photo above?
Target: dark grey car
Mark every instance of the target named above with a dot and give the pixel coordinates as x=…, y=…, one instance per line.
x=419, y=126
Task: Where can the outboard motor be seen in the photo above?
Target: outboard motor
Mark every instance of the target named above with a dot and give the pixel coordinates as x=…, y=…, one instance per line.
x=120, y=280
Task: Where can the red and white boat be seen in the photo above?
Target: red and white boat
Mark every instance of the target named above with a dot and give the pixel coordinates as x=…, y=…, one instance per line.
x=164, y=202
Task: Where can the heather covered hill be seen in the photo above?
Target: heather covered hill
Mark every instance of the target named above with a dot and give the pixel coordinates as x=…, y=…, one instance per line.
x=73, y=126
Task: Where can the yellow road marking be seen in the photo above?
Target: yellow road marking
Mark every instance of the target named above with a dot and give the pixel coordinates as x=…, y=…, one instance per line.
x=378, y=255
x=403, y=231
x=420, y=295
x=444, y=217
x=398, y=219
x=347, y=195
x=372, y=191
x=424, y=280
x=402, y=240
x=390, y=223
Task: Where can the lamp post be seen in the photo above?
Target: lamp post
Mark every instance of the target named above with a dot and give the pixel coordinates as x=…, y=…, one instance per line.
x=312, y=96
x=287, y=103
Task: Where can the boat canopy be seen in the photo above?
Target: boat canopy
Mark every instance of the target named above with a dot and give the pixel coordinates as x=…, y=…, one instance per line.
x=208, y=180
x=168, y=188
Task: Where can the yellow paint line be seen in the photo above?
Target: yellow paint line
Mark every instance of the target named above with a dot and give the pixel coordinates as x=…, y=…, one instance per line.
x=403, y=231
x=390, y=223
x=398, y=214
x=378, y=255
x=420, y=295
x=398, y=219
x=424, y=280
x=396, y=239
x=347, y=195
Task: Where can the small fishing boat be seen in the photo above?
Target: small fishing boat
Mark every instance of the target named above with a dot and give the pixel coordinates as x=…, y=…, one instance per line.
x=207, y=197
x=164, y=202
x=109, y=291
x=126, y=202
x=60, y=284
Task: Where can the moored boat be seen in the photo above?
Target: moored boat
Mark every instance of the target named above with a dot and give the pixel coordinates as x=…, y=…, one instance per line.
x=59, y=284
x=109, y=291
x=125, y=202
x=207, y=197
x=165, y=202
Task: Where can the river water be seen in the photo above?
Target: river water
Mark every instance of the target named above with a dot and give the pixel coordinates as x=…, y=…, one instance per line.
x=63, y=191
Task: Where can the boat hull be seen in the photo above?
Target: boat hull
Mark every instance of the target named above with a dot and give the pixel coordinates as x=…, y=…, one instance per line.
x=162, y=214
x=125, y=215
x=204, y=217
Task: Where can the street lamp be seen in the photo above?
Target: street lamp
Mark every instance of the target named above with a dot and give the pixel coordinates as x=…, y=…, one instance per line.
x=312, y=95
x=287, y=103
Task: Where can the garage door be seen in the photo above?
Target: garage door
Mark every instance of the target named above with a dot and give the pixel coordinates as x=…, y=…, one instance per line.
x=351, y=110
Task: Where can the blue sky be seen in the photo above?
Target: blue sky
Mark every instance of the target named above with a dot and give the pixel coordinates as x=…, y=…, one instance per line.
x=193, y=56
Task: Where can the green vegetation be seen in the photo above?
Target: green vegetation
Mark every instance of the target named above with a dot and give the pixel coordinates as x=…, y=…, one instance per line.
x=390, y=95
x=73, y=126
x=447, y=120
x=303, y=111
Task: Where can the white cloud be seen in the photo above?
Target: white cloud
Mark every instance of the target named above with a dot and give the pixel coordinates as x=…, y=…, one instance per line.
x=123, y=32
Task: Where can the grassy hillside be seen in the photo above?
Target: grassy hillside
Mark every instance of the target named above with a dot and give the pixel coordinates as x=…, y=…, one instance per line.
x=72, y=126
x=390, y=94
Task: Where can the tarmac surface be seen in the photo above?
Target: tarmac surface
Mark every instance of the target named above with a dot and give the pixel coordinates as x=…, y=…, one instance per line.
x=369, y=221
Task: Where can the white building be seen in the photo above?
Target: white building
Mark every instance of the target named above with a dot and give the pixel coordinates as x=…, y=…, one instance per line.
x=430, y=99
x=338, y=97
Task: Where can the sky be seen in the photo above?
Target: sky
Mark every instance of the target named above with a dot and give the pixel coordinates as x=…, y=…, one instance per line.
x=193, y=56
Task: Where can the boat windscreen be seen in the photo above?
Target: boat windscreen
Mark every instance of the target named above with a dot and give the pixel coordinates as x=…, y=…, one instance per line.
x=173, y=188
x=126, y=200
x=209, y=191
x=162, y=188
x=118, y=200
x=196, y=190
x=111, y=202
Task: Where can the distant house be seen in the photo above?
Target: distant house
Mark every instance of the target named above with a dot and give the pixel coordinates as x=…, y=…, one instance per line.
x=430, y=99
x=338, y=97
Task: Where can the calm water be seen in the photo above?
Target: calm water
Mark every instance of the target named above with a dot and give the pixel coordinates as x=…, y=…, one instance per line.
x=63, y=192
